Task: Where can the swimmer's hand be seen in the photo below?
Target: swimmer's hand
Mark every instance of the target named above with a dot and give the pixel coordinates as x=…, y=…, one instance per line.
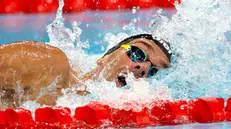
x=82, y=89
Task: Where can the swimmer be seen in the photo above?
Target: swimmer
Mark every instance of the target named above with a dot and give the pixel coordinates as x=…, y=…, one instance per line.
x=28, y=67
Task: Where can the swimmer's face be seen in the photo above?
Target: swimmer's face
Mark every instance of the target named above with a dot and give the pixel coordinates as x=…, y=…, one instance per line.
x=116, y=65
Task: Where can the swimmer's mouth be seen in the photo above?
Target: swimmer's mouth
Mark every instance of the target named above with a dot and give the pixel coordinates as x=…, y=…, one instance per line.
x=121, y=81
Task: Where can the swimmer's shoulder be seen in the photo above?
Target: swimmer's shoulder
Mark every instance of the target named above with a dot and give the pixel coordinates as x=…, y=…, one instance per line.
x=32, y=47
x=26, y=43
x=36, y=50
x=29, y=44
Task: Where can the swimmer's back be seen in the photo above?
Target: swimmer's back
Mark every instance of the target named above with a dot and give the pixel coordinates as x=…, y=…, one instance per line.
x=32, y=64
x=27, y=67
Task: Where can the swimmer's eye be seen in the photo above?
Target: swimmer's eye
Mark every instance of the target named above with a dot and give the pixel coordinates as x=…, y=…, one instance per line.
x=136, y=54
x=152, y=71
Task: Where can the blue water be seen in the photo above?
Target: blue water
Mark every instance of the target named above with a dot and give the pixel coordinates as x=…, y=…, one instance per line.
x=94, y=26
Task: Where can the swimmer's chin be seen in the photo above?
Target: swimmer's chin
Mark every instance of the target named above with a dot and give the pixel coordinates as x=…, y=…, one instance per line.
x=120, y=81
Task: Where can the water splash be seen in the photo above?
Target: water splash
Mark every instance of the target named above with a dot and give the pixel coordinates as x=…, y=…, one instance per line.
x=201, y=60
x=202, y=53
x=61, y=36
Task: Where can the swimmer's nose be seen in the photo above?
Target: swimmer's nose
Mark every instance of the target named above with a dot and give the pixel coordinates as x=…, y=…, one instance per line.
x=140, y=70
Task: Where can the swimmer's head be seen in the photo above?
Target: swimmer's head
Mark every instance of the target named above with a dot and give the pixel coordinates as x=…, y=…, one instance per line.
x=141, y=54
x=164, y=45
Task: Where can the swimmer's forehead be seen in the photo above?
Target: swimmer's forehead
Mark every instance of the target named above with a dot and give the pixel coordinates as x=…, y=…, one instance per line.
x=131, y=39
x=145, y=42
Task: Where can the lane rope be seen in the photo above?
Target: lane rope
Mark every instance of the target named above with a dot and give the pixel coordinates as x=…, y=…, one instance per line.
x=96, y=114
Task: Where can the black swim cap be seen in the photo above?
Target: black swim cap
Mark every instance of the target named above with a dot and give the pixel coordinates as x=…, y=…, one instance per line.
x=164, y=45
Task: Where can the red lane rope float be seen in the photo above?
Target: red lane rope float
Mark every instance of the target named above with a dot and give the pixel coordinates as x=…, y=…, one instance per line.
x=57, y=117
x=110, y=4
x=95, y=114
x=12, y=6
x=152, y=3
x=208, y=110
x=78, y=5
x=45, y=6
x=228, y=110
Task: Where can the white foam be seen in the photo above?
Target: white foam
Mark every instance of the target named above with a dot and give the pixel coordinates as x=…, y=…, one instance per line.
x=201, y=59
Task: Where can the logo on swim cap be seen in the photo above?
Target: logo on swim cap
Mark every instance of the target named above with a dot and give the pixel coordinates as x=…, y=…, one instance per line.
x=165, y=45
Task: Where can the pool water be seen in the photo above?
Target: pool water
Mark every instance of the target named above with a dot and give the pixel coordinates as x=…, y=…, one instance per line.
x=94, y=24
x=199, y=33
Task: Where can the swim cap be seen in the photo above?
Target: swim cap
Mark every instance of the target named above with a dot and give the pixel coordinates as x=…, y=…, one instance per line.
x=164, y=45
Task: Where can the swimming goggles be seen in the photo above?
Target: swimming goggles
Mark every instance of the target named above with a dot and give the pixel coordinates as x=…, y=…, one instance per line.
x=137, y=55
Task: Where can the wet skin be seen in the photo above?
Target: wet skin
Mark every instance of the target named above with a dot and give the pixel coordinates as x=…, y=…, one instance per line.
x=36, y=65
x=33, y=66
x=118, y=62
